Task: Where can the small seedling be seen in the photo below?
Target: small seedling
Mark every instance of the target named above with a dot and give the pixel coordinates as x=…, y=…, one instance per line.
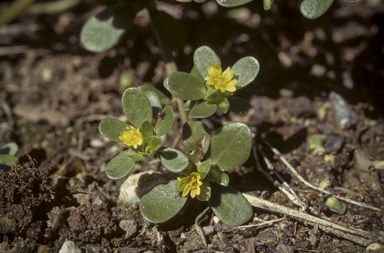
x=335, y=205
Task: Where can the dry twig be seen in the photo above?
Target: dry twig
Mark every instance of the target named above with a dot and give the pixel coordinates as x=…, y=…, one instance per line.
x=289, y=166
x=353, y=234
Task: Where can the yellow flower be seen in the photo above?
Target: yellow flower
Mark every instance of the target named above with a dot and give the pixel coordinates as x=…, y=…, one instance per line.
x=131, y=137
x=191, y=184
x=221, y=81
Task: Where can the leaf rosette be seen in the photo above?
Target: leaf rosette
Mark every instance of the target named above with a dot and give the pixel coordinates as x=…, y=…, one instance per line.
x=141, y=106
x=208, y=88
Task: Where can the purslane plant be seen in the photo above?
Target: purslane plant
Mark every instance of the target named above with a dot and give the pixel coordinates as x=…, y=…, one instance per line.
x=207, y=88
x=203, y=165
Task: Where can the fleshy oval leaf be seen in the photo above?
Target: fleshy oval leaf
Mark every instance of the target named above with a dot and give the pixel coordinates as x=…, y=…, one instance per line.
x=111, y=128
x=232, y=3
x=204, y=168
x=119, y=166
x=136, y=106
x=162, y=97
x=203, y=58
x=314, y=8
x=230, y=146
x=9, y=149
x=229, y=205
x=246, y=70
x=224, y=105
x=218, y=176
x=173, y=160
x=195, y=72
x=238, y=105
x=154, y=142
x=165, y=121
x=103, y=31
x=267, y=4
x=162, y=203
x=196, y=140
x=189, y=105
x=203, y=110
x=205, y=191
x=136, y=156
x=186, y=86
x=155, y=102
x=8, y=160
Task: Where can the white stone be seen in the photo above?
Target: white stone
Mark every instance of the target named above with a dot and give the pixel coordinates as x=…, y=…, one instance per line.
x=373, y=246
x=139, y=184
x=69, y=247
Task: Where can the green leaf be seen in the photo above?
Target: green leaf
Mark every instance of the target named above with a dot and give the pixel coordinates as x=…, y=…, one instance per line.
x=203, y=110
x=165, y=83
x=111, y=128
x=203, y=58
x=196, y=140
x=203, y=168
x=205, y=191
x=146, y=129
x=155, y=103
x=135, y=155
x=232, y=3
x=218, y=176
x=230, y=146
x=8, y=160
x=186, y=86
x=136, y=106
x=154, y=142
x=224, y=105
x=238, y=105
x=173, y=159
x=246, y=70
x=267, y=4
x=189, y=105
x=195, y=72
x=229, y=205
x=316, y=141
x=212, y=95
x=9, y=149
x=335, y=205
x=119, y=166
x=103, y=31
x=162, y=203
x=314, y=8
x=162, y=97
x=165, y=122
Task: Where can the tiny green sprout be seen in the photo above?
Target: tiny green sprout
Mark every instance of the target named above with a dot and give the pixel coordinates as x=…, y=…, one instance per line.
x=207, y=88
x=314, y=234
x=7, y=155
x=335, y=205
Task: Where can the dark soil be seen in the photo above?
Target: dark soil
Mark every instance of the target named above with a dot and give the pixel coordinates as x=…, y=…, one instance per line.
x=53, y=94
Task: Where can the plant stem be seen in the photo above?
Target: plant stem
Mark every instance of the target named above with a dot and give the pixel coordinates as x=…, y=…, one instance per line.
x=166, y=53
x=14, y=10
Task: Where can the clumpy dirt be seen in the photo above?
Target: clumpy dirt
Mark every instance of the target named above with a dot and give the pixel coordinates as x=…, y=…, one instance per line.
x=53, y=94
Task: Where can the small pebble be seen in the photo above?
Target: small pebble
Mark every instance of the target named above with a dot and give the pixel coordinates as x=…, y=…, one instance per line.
x=344, y=116
x=69, y=247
